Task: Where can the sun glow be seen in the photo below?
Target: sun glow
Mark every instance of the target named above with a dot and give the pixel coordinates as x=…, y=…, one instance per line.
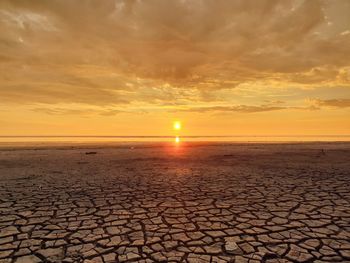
x=177, y=125
x=177, y=139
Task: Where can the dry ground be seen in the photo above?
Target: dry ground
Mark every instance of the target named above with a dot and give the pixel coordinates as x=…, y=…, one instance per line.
x=165, y=203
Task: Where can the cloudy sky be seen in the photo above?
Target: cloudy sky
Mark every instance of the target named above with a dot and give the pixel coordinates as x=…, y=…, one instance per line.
x=131, y=67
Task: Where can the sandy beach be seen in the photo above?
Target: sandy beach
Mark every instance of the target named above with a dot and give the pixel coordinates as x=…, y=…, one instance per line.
x=158, y=202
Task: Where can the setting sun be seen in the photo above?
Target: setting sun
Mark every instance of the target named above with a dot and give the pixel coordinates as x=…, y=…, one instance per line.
x=177, y=125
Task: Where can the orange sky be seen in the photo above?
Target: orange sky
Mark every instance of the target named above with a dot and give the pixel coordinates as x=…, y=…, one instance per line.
x=114, y=67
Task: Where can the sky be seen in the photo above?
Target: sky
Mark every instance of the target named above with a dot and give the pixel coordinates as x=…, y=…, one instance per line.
x=133, y=67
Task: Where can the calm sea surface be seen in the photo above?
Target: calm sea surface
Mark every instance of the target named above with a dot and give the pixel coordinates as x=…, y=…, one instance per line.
x=89, y=139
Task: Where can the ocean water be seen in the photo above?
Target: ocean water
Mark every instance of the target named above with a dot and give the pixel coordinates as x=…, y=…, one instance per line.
x=237, y=138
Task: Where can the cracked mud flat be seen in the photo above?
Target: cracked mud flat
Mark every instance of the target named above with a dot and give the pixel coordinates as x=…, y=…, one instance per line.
x=161, y=203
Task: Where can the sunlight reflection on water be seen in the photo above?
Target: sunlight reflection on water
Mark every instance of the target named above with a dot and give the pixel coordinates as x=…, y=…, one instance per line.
x=177, y=139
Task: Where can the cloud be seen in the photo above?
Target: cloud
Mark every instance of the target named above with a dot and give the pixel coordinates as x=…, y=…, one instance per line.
x=244, y=108
x=337, y=103
x=131, y=52
x=238, y=108
x=81, y=112
x=51, y=93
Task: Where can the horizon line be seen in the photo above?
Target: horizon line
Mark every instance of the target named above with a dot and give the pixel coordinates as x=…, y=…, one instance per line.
x=165, y=136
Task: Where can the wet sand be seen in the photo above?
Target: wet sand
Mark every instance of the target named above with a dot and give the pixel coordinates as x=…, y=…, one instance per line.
x=194, y=202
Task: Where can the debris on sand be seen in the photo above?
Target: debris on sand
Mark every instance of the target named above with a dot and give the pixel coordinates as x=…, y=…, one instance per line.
x=91, y=153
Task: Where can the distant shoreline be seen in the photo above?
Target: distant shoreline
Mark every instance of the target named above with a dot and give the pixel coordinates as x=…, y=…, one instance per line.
x=85, y=139
x=160, y=136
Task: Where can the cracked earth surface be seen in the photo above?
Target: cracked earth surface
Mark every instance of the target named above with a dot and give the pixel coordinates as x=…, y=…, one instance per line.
x=162, y=203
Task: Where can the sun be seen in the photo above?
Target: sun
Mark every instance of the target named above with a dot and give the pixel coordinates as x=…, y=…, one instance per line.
x=177, y=125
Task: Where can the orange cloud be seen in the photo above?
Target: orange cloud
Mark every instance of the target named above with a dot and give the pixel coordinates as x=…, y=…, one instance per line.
x=338, y=103
x=104, y=57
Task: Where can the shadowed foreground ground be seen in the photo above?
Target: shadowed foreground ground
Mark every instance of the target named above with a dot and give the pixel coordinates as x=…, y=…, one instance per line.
x=191, y=203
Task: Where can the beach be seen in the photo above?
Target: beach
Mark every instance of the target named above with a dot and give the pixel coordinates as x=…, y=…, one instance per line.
x=167, y=202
